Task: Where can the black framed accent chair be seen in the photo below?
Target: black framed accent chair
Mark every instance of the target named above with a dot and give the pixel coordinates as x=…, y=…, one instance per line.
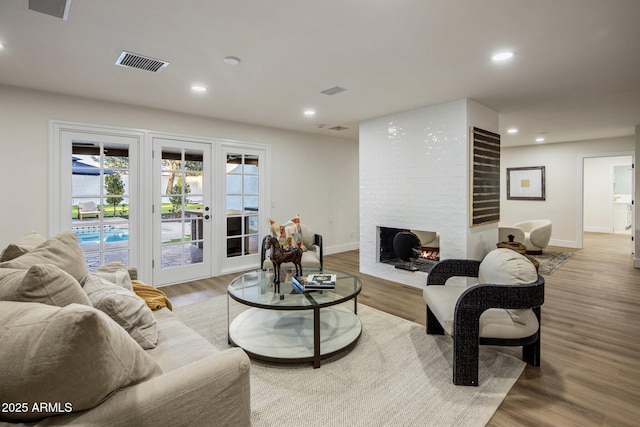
x=502, y=309
x=294, y=233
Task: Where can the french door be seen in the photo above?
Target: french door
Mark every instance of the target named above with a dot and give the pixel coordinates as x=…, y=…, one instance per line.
x=178, y=208
x=182, y=211
x=244, y=199
x=93, y=191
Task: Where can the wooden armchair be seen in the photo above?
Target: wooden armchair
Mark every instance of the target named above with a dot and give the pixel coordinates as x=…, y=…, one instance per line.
x=504, y=309
x=88, y=208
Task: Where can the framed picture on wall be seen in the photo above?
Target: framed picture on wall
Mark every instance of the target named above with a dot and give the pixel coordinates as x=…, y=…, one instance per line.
x=526, y=183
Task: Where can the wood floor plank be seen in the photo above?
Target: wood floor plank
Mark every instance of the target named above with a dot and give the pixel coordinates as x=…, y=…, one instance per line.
x=590, y=371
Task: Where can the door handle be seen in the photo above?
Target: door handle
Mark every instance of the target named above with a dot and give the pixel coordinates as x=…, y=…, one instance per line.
x=206, y=217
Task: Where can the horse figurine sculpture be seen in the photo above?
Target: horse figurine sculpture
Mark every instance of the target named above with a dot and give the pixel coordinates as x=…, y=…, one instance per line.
x=279, y=255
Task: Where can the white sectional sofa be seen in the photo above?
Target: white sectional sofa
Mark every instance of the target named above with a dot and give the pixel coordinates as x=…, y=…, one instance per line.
x=74, y=357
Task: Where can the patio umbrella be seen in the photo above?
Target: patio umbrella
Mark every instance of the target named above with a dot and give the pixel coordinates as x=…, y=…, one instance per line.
x=80, y=168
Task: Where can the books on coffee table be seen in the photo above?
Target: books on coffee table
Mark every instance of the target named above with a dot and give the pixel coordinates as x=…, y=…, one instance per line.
x=314, y=282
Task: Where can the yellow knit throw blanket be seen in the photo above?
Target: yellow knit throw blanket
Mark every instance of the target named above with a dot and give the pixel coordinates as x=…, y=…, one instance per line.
x=155, y=298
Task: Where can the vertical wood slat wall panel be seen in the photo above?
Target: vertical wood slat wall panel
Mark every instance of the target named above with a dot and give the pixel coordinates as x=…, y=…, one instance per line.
x=485, y=178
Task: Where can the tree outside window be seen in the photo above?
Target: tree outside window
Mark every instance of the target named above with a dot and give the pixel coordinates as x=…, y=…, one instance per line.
x=114, y=186
x=179, y=190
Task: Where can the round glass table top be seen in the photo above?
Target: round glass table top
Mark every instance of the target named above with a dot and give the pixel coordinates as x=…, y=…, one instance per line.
x=257, y=289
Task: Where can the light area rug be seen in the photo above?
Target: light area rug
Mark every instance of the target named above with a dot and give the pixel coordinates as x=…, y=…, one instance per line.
x=396, y=375
x=550, y=261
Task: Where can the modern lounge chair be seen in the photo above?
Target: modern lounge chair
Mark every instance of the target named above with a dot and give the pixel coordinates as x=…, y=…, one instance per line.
x=503, y=309
x=534, y=234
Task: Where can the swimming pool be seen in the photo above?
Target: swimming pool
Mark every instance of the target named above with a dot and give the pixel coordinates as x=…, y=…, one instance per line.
x=110, y=235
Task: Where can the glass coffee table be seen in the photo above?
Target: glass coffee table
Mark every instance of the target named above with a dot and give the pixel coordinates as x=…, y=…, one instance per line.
x=286, y=325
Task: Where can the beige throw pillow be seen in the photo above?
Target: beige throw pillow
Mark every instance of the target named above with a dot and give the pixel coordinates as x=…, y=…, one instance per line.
x=43, y=283
x=26, y=243
x=506, y=267
x=115, y=272
x=125, y=307
x=75, y=355
x=62, y=251
x=288, y=234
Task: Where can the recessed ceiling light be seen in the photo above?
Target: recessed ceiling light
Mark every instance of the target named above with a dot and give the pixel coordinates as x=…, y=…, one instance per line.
x=232, y=60
x=503, y=56
x=309, y=112
x=512, y=130
x=198, y=88
x=539, y=139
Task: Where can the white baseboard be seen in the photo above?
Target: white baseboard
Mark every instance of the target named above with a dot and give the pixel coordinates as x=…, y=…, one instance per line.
x=636, y=263
x=592, y=229
x=564, y=243
x=330, y=250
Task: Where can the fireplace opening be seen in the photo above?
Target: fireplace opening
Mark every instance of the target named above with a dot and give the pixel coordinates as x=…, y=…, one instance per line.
x=425, y=256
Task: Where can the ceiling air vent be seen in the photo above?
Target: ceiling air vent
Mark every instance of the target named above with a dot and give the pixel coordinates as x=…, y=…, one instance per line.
x=338, y=128
x=333, y=90
x=56, y=8
x=133, y=60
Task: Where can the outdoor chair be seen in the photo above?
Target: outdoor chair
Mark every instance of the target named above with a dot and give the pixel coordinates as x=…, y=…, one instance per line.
x=503, y=309
x=88, y=208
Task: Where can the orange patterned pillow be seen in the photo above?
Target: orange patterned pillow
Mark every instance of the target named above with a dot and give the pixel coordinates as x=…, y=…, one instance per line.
x=288, y=234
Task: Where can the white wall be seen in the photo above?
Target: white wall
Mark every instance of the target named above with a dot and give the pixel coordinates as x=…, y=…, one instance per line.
x=309, y=172
x=414, y=174
x=563, y=168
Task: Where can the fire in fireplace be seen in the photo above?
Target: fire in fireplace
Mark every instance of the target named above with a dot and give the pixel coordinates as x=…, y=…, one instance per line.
x=429, y=253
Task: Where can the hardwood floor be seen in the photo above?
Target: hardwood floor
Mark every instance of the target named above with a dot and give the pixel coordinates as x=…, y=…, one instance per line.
x=590, y=371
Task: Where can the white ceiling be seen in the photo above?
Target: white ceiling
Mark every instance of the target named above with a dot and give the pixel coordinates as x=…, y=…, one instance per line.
x=575, y=76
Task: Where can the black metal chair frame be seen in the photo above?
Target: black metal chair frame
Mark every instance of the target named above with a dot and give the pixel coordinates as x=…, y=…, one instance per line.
x=471, y=304
x=317, y=240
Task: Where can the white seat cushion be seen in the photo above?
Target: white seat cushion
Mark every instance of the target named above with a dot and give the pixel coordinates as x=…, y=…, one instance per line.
x=442, y=299
x=497, y=323
x=310, y=259
x=494, y=323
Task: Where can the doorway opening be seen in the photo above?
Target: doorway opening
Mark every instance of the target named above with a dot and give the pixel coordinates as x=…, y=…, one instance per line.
x=608, y=188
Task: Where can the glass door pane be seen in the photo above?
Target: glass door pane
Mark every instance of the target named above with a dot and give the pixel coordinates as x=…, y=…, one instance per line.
x=182, y=187
x=242, y=203
x=100, y=200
